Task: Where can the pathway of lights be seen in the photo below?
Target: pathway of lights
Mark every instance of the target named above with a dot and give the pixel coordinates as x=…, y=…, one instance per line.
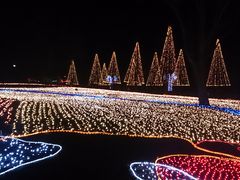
x=15, y=153
x=147, y=171
x=201, y=166
x=119, y=113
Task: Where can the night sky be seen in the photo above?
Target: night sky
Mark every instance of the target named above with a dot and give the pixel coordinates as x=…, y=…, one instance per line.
x=42, y=41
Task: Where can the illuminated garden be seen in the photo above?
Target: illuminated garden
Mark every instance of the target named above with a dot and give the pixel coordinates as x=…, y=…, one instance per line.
x=32, y=111
x=138, y=90
x=119, y=113
x=208, y=132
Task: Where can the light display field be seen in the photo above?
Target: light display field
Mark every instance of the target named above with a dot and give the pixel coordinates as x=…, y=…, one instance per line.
x=94, y=111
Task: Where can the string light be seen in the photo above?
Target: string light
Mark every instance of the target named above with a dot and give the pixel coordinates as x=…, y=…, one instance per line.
x=134, y=75
x=132, y=114
x=6, y=108
x=154, y=77
x=147, y=170
x=44, y=110
x=201, y=166
x=104, y=75
x=72, y=75
x=96, y=75
x=17, y=153
x=168, y=58
x=218, y=75
x=118, y=113
x=124, y=95
x=181, y=71
x=113, y=70
x=26, y=84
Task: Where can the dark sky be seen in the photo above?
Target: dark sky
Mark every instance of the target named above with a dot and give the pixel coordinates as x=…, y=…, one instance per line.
x=42, y=41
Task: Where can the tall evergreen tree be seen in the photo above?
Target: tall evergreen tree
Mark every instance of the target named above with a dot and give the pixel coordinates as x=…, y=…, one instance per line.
x=218, y=75
x=134, y=75
x=96, y=75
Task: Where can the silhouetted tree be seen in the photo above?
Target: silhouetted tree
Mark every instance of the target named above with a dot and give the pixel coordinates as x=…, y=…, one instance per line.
x=199, y=21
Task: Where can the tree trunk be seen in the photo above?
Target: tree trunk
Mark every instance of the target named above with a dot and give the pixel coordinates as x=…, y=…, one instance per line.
x=199, y=73
x=202, y=92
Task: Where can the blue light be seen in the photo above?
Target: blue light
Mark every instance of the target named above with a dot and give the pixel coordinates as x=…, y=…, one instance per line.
x=223, y=109
x=12, y=157
x=147, y=171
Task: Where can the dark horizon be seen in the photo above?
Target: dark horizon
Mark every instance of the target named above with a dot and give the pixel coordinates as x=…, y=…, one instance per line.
x=41, y=42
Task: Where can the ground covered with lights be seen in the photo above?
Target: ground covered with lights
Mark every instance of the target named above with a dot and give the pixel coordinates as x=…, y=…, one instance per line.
x=180, y=129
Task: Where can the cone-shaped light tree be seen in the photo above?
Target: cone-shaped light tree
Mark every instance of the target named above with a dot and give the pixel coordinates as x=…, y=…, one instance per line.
x=96, y=75
x=104, y=74
x=154, y=77
x=181, y=71
x=168, y=59
x=72, y=75
x=113, y=70
x=218, y=75
x=134, y=75
x=158, y=78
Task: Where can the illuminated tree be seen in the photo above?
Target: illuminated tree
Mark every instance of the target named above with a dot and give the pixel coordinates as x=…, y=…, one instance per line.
x=72, y=75
x=104, y=74
x=96, y=75
x=168, y=59
x=134, y=75
x=158, y=78
x=181, y=71
x=218, y=75
x=113, y=69
x=154, y=77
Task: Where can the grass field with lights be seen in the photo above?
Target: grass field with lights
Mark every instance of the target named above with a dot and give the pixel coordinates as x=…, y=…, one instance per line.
x=38, y=112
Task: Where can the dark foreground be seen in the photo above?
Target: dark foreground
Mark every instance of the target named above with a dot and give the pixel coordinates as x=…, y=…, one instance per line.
x=97, y=156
